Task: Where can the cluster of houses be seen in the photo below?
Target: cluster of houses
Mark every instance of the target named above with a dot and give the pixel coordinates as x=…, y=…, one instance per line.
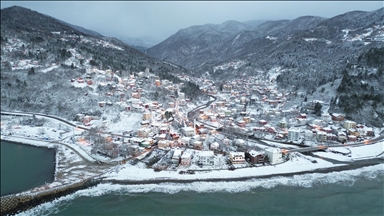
x=206, y=158
x=234, y=107
x=156, y=131
x=283, y=124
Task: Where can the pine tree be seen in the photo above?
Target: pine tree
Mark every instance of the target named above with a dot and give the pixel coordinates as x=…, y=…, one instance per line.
x=31, y=71
x=318, y=107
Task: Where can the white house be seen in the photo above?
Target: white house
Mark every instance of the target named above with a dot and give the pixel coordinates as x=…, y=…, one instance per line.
x=176, y=156
x=349, y=124
x=206, y=158
x=163, y=144
x=188, y=131
x=274, y=154
x=341, y=136
x=143, y=132
x=237, y=157
x=321, y=136
x=215, y=145
x=186, y=158
x=293, y=134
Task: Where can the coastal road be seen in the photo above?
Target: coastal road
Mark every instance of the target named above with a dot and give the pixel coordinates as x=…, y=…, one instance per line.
x=316, y=148
x=56, y=118
x=83, y=154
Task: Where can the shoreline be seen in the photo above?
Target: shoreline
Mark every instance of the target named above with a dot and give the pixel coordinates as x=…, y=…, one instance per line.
x=47, y=195
x=346, y=166
x=28, y=143
x=239, y=179
x=55, y=160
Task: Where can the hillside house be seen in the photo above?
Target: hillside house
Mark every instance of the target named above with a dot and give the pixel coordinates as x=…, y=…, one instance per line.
x=136, y=95
x=157, y=83
x=321, y=136
x=206, y=158
x=262, y=122
x=354, y=132
x=146, y=116
x=302, y=115
x=327, y=130
x=188, y=131
x=331, y=137
x=271, y=130
x=241, y=123
x=186, y=159
x=255, y=157
x=293, y=134
x=163, y=144
x=341, y=136
x=102, y=103
x=369, y=132
x=164, y=130
x=337, y=117
x=349, y=124
x=352, y=138
x=237, y=157
x=176, y=156
x=198, y=145
x=283, y=124
x=143, y=132
x=214, y=146
x=274, y=155
x=247, y=119
x=87, y=119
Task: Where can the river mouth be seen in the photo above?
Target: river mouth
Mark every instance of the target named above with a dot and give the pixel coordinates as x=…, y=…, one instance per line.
x=24, y=167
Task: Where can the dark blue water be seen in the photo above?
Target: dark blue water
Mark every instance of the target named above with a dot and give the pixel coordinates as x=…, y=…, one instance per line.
x=24, y=167
x=361, y=195
x=356, y=192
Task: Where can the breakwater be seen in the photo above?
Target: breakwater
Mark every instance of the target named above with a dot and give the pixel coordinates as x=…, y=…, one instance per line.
x=16, y=203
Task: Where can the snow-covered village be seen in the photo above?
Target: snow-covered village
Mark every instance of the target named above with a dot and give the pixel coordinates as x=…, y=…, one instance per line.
x=226, y=103
x=243, y=128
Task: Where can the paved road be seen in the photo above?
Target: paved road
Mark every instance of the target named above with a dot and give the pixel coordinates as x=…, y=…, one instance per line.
x=79, y=151
x=57, y=118
x=316, y=148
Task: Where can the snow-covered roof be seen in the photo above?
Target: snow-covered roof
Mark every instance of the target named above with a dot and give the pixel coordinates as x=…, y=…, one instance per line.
x=206, y=154
x=254, y=153
x=237, y=154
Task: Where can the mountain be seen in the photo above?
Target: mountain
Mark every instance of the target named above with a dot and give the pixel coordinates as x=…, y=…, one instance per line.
x=197, y=46
x=314, y=53
x=41, y=55
x=23, y=20
x=203, y=47
x=200, y=44
x=43, y=37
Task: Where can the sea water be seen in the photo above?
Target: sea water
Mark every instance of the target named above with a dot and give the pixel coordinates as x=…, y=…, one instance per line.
x=350, y=192
x=24, y=167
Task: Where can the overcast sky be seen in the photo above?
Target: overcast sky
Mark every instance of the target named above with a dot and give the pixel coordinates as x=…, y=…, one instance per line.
x=161, y=19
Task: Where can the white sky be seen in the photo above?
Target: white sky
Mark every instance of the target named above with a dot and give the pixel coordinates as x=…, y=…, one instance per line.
x=161, y=19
